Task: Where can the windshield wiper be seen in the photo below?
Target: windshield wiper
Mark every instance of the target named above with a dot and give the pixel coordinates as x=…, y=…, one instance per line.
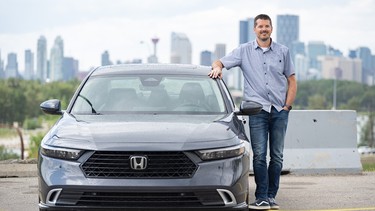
x=88, y=101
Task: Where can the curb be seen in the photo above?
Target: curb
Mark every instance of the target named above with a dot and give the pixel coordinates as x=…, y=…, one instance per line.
x=18, y=168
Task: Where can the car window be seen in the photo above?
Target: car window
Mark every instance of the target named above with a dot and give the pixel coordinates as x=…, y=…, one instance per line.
x=149, y=93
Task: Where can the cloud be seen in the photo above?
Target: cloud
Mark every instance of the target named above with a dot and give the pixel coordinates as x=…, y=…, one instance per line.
x=89, y=27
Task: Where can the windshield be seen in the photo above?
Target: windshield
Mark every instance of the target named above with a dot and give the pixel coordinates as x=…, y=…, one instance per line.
x=149, y=94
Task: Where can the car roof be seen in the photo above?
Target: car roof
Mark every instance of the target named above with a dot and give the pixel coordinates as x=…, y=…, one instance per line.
x=162, y=69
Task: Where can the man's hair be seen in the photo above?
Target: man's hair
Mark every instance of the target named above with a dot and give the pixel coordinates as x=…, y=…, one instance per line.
x=262, y=17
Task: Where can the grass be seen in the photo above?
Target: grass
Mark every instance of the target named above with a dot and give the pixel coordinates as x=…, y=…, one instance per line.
x=368, y=166
x=7, y=132
x=368, y=162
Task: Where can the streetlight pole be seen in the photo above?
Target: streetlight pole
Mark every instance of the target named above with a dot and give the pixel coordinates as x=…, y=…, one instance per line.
x=334, y=93
x=337, y=74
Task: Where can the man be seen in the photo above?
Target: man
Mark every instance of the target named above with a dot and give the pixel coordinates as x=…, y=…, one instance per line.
x=270, y=80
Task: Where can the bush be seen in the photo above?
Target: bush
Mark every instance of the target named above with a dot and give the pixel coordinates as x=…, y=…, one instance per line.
x=34, y=145
x=32, y=124
x=5, y=154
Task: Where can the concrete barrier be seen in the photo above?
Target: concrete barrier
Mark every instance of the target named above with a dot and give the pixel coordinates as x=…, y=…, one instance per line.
x=321, y=142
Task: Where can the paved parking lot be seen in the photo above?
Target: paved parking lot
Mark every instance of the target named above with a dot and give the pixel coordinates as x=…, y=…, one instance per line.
x=314, y=193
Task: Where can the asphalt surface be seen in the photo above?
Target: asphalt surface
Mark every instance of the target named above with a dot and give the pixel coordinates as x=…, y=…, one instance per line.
x=314, y=193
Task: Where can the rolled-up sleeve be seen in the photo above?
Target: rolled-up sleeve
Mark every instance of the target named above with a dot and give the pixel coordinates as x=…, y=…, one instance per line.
x=233, y=59
x=289, y=67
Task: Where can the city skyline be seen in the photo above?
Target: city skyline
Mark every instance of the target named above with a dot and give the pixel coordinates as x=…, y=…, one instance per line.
x=126, y=34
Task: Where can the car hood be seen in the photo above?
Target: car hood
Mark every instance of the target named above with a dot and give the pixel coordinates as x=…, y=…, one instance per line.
x=142, y=132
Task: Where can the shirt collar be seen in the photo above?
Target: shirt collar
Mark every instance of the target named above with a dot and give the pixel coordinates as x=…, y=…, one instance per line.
x=256, y=46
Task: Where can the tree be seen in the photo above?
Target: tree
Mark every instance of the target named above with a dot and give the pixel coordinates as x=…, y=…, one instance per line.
x=368, y=101
x=317, y=101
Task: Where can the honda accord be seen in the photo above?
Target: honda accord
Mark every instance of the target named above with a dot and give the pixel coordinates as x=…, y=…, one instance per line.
x=146, y=136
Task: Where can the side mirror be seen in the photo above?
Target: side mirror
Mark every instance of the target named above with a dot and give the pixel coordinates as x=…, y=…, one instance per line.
x=51, y=107
x=249, y=108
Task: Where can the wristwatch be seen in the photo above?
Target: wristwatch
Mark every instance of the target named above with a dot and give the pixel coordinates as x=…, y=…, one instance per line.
x=288, y=106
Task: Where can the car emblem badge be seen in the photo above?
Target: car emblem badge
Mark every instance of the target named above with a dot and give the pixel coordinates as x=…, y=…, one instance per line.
x=138, y=162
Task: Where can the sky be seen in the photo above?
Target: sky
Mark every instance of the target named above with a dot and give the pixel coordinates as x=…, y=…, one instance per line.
x=125, y=27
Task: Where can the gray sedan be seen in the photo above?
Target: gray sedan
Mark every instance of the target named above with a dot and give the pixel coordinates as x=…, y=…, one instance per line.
x=140, y=137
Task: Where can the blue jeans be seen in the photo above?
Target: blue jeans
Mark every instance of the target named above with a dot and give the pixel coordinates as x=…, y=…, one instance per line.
x=266, y=127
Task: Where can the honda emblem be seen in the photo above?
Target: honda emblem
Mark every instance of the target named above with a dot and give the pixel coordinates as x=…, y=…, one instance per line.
x=138, y=162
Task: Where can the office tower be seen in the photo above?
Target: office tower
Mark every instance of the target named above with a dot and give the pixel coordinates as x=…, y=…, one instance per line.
x=70, y=67
x=180, y=48
x=287, y=30
x=247, y=30
x=105, y=59
x=220, y=51
x=206, y=58
x=244, y=31
x=297, y=48
x=301, y=64
x=364, y=53
x=315, y=49
x=11, y=70
x=41, y=60
x=333, y=51
x=56, y=60
x=341, y=68
x=29, y=65
x=352, y=54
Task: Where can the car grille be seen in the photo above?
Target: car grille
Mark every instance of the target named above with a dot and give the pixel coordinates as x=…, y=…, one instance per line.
x=140, y=199
x=104, y=164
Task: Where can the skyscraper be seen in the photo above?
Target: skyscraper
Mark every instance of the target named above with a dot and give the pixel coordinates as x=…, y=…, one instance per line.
x=368, y=73
x=105, y=59
x=315, y=49
x=246, y=30
x=220, y=51
x=301, y=64
x=11, y=70
x=29, y=65
x=41, y=62
x=180, y=48
x=364, y=53
x=56, y=60
x=287, y=30
x=341, y=68
x=206, y=58
x=70, y=67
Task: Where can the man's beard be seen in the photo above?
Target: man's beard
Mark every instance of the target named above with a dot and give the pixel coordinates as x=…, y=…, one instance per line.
x=264, y=39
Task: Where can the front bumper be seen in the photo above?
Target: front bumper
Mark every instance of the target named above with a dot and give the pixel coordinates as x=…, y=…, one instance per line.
x=216, y=185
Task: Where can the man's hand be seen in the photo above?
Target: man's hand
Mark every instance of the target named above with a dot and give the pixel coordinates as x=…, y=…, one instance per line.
x=217, y=70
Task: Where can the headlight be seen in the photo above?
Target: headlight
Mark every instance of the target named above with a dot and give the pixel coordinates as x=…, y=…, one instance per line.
x=221, y=153
x=61, y=153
